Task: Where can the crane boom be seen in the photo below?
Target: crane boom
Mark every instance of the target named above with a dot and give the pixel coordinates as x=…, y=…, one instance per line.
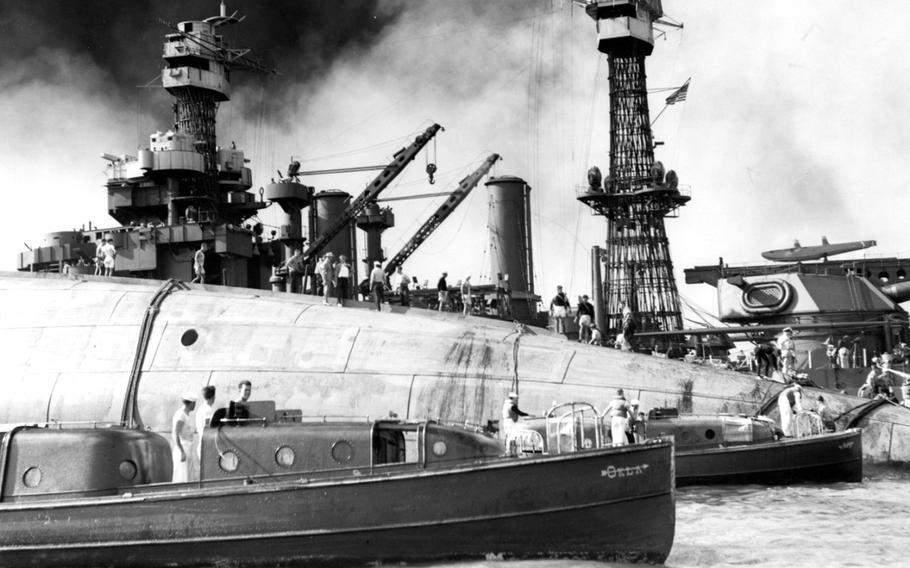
x=455, y=198
x=401, y=159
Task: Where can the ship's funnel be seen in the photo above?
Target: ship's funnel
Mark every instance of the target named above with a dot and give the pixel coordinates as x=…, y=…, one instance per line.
x=329, y=206
x=510, y=232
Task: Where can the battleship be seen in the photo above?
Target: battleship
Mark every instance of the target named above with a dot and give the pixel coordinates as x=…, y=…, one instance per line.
x=81, y=347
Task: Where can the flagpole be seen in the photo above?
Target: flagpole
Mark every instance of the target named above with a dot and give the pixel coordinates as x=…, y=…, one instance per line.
x=658, y=114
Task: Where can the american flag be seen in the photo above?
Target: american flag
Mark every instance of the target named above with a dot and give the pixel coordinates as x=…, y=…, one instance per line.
x=679, y=94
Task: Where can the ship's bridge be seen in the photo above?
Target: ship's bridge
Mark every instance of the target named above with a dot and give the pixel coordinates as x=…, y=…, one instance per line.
x=190, y=60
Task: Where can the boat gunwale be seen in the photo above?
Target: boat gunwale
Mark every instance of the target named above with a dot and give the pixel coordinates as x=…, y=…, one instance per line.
x=169, y=491
x=786, y=442
x=316, y=532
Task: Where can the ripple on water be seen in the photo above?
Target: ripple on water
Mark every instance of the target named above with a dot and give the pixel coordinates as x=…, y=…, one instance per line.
x=838, y=524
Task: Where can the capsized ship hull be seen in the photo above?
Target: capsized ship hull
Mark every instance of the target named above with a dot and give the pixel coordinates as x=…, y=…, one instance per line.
x=78, y=349
x=505, y=506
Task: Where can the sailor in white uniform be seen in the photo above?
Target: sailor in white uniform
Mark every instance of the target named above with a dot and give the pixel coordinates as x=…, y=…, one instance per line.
x=182, y=429
x=790, y=403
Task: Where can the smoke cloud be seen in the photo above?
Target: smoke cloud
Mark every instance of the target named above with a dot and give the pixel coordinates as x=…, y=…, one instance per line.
x=788, y=130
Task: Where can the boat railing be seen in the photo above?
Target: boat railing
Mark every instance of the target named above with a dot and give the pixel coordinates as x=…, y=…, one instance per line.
x=60, y=424
x=808, y=423
x=244, y=421
x=519, y=442
x=570, y=425
x=463, y=424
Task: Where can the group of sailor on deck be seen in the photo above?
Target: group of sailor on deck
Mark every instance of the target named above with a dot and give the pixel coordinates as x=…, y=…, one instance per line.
x=625, y=418
x=186, y=434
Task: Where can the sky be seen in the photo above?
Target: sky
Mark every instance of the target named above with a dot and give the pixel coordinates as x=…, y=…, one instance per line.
x=794, y=125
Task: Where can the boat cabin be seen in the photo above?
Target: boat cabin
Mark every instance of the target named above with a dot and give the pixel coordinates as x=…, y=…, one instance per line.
x=274, y=442
x=43, y=461
x=708, y=431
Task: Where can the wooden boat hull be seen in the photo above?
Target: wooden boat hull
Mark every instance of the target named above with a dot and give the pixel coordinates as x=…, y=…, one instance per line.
x=812, y=459
x=613, y=503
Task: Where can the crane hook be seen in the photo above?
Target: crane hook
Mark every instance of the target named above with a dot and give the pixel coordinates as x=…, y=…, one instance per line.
x=431, y=169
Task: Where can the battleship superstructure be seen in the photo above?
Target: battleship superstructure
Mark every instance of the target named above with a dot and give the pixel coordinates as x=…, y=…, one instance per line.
x=637, y=193
x=845, y=312
x=185, y=189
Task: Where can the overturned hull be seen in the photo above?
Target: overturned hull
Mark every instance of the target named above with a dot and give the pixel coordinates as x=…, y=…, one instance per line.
x=86, y=349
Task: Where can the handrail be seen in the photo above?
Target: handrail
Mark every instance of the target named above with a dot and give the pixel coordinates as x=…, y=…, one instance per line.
x=130, y=414
x=815, y=423
x=421, y=444
x=372, y=445
x=518, y=441
x=572, y=412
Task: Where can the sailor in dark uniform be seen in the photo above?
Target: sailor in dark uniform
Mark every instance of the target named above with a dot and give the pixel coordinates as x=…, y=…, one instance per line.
x=238, y=408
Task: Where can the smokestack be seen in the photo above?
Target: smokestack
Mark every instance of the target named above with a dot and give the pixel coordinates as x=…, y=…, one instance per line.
x=510, y=231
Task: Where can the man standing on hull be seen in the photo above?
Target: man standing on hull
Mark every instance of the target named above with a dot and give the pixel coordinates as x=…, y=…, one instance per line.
x=199, y=264
x=585, y=319
x=442, y=290
x=559, y=309
x=377, y=284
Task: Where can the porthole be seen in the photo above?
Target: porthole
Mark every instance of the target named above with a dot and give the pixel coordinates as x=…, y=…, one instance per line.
x=342, y=451
x=709, y=434
x=440, y=449
x=128, y=470
x=901, y=273
x=228, y=461
x=285, y=456
x=884, y=276
x=31, y=477
x=189, y=337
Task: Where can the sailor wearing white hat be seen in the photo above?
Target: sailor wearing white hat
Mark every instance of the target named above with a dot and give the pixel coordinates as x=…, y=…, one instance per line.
x=182, y=438
x=511, y=414
x=787, y=351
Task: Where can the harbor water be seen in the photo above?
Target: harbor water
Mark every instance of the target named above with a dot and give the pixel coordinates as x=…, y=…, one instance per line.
x=835, y=524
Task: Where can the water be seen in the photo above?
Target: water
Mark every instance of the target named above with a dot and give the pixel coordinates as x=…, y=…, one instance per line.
x=836, y=524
